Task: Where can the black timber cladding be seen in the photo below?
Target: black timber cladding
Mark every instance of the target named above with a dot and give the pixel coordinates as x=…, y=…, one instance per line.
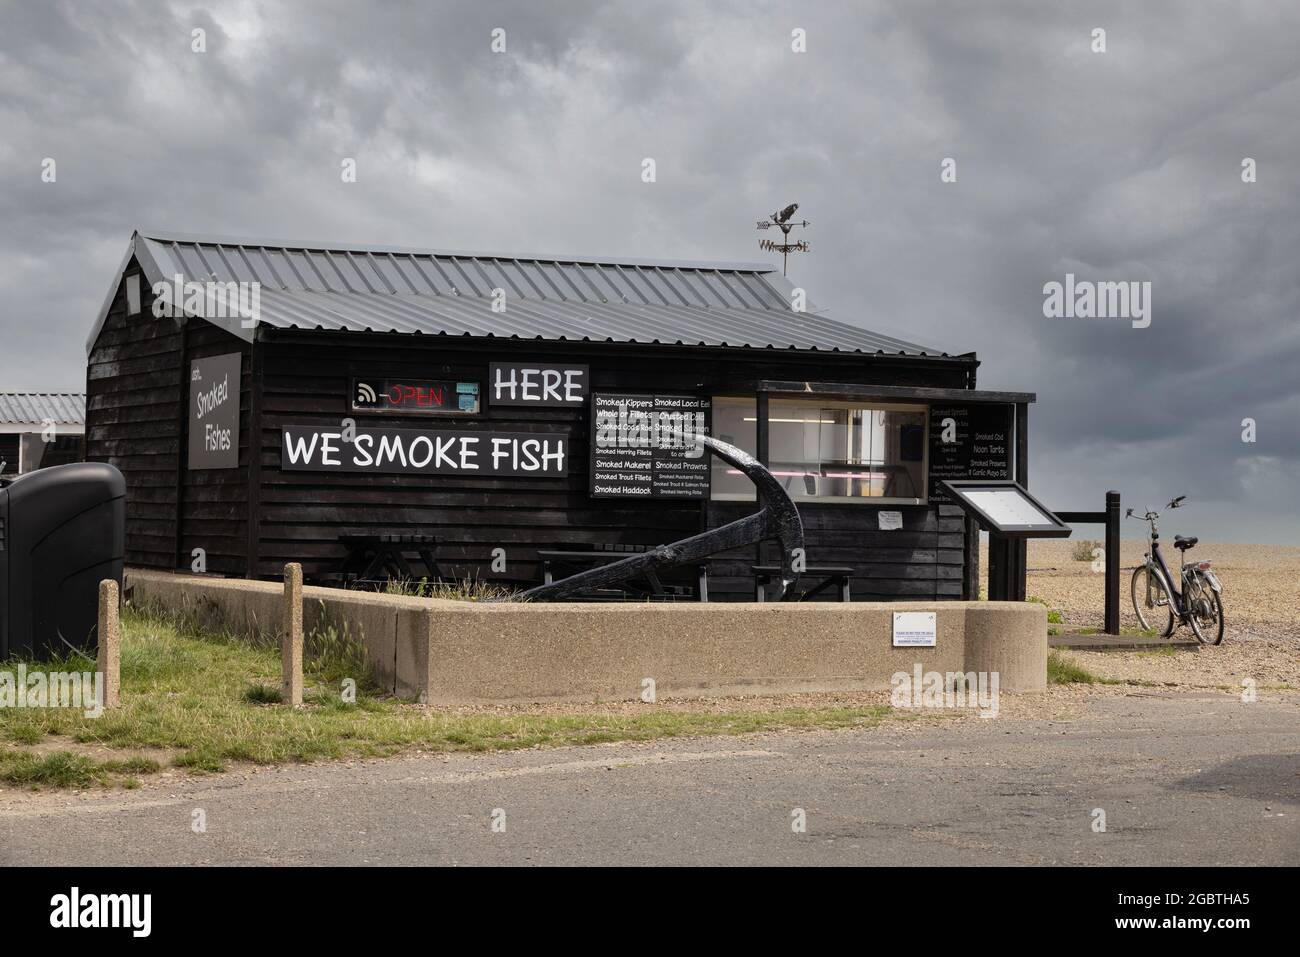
x=137, y=386
x=306, y=381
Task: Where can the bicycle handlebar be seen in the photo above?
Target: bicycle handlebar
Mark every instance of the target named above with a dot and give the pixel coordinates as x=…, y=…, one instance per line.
x=1151, y=515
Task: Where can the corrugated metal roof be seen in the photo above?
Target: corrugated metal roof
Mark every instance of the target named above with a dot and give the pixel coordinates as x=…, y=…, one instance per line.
x=387, y=289
x=34, y=408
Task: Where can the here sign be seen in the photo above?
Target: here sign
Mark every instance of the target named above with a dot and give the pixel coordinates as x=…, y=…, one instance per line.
x=537, y=384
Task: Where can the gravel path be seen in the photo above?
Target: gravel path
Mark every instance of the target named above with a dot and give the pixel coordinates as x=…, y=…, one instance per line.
x=1261, y=597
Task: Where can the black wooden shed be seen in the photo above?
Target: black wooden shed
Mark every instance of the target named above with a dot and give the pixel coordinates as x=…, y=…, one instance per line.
x=264, y=398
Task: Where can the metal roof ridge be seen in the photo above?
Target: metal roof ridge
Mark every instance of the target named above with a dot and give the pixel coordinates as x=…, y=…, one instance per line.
x=171, y=236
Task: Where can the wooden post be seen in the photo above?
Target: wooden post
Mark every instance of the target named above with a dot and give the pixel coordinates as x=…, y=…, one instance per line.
x=1112, y=563
x=182, y=449
x=1002, y=568
x=762, y=401
x=109, y=636
x=1018, y=549
x=970, y=579
x=291, y=636
x=254, y=541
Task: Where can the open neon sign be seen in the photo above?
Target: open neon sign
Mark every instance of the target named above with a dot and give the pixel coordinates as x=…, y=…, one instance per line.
x=415, y=396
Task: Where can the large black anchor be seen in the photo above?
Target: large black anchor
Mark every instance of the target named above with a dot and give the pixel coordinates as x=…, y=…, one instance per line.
x=778, y=519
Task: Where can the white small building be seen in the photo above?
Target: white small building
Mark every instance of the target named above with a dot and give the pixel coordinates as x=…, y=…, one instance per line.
x=39, y=429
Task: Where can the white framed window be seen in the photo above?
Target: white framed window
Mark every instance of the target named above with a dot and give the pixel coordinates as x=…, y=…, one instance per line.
x=734, y=422
x=829, y=450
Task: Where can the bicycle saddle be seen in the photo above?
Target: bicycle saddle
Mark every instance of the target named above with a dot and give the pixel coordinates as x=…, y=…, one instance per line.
x=1184, y=543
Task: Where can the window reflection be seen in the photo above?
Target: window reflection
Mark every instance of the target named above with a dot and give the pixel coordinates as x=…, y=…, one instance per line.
x=828, y=450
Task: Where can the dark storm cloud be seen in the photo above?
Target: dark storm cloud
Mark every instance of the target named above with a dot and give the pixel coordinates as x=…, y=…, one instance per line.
x=1116, y=166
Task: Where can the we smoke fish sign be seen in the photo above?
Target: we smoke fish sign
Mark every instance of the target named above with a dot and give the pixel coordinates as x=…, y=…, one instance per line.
x=425, y=452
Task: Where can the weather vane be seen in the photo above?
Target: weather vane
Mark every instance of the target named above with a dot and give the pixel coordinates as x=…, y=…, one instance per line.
x=782, y=221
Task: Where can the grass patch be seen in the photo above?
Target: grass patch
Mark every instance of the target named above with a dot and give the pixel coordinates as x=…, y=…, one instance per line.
x=1142, y=632
x=463, y=589
x=24, y=732
x=333, y=655
x=262, y=694
x=209, y=701
x=1053, y=616
x=1083, y=549
x=63, y=769
x=1062, y=671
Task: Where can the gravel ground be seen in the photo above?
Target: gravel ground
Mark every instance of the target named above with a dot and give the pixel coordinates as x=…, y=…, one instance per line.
x=1261, y=585
x=1261, y=598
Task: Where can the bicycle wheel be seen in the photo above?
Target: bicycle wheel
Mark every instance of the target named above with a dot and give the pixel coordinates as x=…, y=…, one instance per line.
x=1206, y=618
x=1151, y=601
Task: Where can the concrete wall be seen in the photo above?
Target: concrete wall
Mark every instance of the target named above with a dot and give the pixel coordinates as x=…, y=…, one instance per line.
x=449, y=652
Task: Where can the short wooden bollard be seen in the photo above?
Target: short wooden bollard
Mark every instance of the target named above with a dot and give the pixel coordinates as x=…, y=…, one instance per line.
x=109, y=660
x=291, y=636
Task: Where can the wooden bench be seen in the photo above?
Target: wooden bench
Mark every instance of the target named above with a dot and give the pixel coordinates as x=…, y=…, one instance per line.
x=837, y=575
x=582, y=560
x=378, y=555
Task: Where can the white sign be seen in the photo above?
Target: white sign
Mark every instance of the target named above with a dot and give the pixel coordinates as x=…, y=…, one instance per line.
x=890, y=521
x=214, y=413
x=914, y=629
x=537, y=384
x=1007, y=507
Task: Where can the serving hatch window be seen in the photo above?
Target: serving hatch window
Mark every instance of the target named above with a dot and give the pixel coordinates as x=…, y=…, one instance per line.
x=828, y=450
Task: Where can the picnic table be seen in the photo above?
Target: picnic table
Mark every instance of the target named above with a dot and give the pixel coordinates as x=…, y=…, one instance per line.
x=580, y=560
x=830, y=575
x=380, y=555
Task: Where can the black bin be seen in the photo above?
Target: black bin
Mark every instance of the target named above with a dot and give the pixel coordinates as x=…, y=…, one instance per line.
x=62, y=532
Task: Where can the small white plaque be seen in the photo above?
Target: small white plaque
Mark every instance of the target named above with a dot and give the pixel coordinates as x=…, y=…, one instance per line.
x=890, y=521
x=914, y=629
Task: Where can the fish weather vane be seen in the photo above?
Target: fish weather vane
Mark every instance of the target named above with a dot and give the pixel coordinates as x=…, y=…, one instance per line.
x=782, y=221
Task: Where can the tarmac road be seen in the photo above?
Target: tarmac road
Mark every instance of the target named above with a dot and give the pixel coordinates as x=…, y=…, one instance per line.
x=1182, y=780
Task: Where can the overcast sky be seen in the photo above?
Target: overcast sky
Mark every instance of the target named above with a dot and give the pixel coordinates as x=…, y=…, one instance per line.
x=1123, y=165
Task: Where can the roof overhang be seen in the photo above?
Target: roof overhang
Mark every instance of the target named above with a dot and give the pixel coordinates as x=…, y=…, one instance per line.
x=853, y=392
x=29, y=428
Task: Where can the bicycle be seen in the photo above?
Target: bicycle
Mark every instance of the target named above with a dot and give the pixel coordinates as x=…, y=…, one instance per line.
x=1155, y=597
